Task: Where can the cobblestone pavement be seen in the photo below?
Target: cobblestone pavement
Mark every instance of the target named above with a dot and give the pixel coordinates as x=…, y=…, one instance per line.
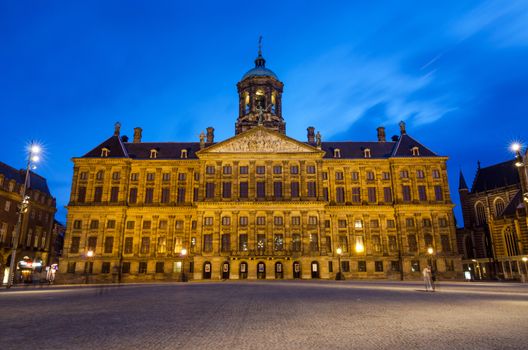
x=266, y=315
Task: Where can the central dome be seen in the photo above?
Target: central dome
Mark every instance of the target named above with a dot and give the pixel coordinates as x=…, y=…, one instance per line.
x=259, y=72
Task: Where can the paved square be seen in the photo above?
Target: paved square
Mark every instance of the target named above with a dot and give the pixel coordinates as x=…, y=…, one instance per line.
x=267, y=315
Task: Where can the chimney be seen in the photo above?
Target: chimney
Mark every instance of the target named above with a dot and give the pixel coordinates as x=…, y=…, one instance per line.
x=210, y=134
x=124, y=138
x=117, y=128
x=137, y=135
x=202, y=140
x=381, y=134
x=402, y=128
x=311, y=134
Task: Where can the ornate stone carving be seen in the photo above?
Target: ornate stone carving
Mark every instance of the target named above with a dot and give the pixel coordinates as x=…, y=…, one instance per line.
x=260, y=141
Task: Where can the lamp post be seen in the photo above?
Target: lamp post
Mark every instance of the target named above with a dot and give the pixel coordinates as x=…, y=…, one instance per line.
x=521, y=162
x=525, y=274
x=339, y=276
x=89, y=256
x=183, y=254
x=33, y=157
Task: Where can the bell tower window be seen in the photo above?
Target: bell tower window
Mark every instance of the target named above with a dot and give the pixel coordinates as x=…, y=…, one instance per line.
x=273, y=102
x=246, y=103
x=260, y=99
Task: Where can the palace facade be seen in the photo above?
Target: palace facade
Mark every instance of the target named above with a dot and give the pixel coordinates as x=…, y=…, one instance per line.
x=259, y=204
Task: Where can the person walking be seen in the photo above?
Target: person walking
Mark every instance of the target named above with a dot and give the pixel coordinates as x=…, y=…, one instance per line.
x=428, y=279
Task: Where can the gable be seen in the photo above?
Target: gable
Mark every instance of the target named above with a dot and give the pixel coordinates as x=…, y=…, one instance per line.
x=260, y=140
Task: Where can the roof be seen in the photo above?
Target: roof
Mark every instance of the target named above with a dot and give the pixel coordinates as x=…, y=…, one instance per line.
x=462, y=185
x=512, y=206
x=166, y=150
x=36, y=182
x=113, y=144
x=259, y=72
x=406, y=144
x=353, y=149
x=496, y=176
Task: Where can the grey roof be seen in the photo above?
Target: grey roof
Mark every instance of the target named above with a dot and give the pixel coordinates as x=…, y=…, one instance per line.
x=496, y=176
x=259, y=72
x=354, y=149
x=36, y=182
x=405, y=145
x=113, y=144
x=511, y=208
x=462, y=185
x=166, y=150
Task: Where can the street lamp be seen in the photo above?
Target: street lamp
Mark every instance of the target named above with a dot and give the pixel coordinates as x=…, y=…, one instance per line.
x=520, y=161
x=339, y=275
x=89, y=255
x=525, y=260
x=183, y=253
x=430, y=251
x=33, y=156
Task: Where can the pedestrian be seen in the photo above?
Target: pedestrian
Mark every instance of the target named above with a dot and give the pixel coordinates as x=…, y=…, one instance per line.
x=427, y=279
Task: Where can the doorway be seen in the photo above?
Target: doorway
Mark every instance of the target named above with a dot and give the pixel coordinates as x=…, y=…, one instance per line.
x=207, y=270
x=296, y=269
x=261, y=270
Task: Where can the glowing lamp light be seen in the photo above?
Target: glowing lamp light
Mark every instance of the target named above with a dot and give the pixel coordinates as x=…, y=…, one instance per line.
x=90, y=253
x=360, y=248
x=516, y=146
x=430, y=250
x=524, y=258
x=339, y=251
x=35, y=149
x=183, y=252
x=35, y=159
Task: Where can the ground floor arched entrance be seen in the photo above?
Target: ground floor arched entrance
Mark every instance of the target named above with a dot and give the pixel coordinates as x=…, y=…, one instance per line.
x=296, y=269
x=207, y=270
x=279, y=270
x=315, y=269
x=261, y=270
x=225, y=270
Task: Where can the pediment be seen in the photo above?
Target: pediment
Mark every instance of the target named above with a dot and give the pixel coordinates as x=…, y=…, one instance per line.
x=260, y=140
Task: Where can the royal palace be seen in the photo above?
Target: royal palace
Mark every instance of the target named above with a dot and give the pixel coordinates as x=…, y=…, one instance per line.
x=259, y=205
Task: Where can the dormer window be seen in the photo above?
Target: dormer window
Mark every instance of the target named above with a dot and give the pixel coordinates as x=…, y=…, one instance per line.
x=366, y=152
x=104, y=152
x=415, y=151
x=183, y=154
x=337, y=153
x=153, y=153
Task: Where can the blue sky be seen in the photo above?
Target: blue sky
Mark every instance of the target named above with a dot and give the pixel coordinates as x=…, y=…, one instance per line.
x=456, y=72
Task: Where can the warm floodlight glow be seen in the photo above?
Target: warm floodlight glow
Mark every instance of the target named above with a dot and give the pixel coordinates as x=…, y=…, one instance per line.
x=430, y=250
x=516, y=146
x=90, y=253
x=339, y=251
x=35, y=159
x=360, y=248
x=524, y=258
x=35, y=149
x=183, y=252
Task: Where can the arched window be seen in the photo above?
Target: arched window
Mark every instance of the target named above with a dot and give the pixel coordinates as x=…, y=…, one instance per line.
x=366, y=153
x=104, y=152
x=480, y=214
x=415, y=151
x=499, y=206
x=153, y=153
x=246, y=103
x=183, y=154
x=428, y=239
x=510, y=242
x=337, y=153
x=260, y=99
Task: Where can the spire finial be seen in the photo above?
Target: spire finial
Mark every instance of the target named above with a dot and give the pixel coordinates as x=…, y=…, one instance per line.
x=260, y=61
x=260, y=46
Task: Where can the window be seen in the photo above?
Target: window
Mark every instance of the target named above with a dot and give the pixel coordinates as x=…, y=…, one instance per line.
x=277, y=189
x=325, y=193
x=294, y=169
x=415, y=266
x=376, y=243
x=499, y=206
x=151, y=176
x=370, y=175
x=166, y=177
x=99, y=175
x=83, y=175
x=208, y=221
x=385, y=175
x=296, y=220
x=81, y=195
x=226, y=243
x=511, y=242
x=409, y=222
x=181, y=195
x=406, y=193
x=94, y=224
x=226, y=190
x=162, y=224
x=243, y=193
x=128, y=245
x=310, y=169
x=105, y=267
x=311, y=189
x=98, y=194
x=179, y=224
x=337, y=153
x=196, y=176
x=420, y=174
x=114, y=194
x=413, y=245
x=358, y=224
x=244, y=170
x=149, y=195
x=436, y=174
x=142, y=267
x=378, y=266
x=374, y=223
x=147, y=224
x=422, y=194
x=371, y=192
x=339, y=175
x=261, y=189
x=325, y=175
x=210, y=169
x=395, y=266
x=116, y=175
x=261, y=169
x=243, y=221
x=153, y=153
x=261, y=242
x=387, y=194
x=132, y=197
x=340, y=195
x=209, y=190
x=74, y=248
x=428, y=240
x=415, y=151
x=227, y=169
x=160, y=267
x=393, y=246
x=426, y=222
x=314, y=242
x=366, y=152
x=480, y=213
x=71, y=267
x=278, y=242
x=355, y=176
x=328, y=241
x=145, y=245
x=92, y=243
x=341, y=223
x=277, y=220
x=404, y=174
x=125, y=268
x=312, y=220
x=362, y=266
x=130, y=225
x=343, y=243
x=178, y=244
x=296, y=242
x=345, y=266
x=183, y=154
x=226, y=220
x=134, y=176
x=243, y=242
x=295, y=189
x=109, y=245
x=356, y=195
x=165, y=195
x=261, y=220
x=277, y=169
x=442, y=222
x=77, y=224
x=439, y=194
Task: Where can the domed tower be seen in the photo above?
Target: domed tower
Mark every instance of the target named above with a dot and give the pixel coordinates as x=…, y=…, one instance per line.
x=260, y=95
